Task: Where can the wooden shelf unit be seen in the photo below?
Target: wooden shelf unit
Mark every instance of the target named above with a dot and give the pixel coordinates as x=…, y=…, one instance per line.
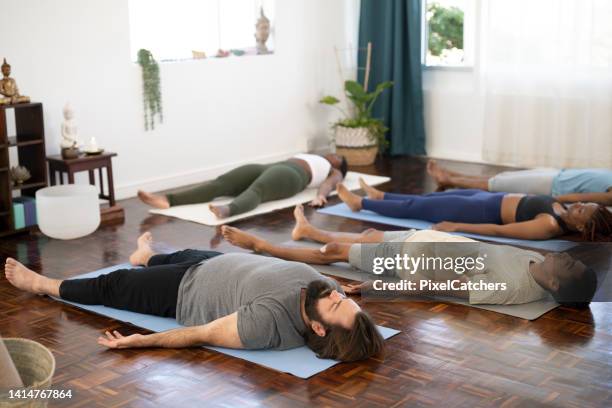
x=30, y=145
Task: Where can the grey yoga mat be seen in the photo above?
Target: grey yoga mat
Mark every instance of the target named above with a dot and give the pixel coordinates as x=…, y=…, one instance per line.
x=301, y=361
x=527, y=311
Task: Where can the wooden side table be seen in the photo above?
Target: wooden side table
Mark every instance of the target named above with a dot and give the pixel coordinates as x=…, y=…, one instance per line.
x=85, y=163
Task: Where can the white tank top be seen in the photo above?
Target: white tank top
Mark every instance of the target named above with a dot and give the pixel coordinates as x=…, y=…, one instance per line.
x=319, y=167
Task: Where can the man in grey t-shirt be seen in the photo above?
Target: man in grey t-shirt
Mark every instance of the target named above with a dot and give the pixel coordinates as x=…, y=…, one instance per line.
x=227, y=300
x=526, y=275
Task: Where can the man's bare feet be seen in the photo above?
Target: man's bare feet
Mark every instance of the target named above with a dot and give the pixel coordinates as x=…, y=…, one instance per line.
x=23, y=278
x=352, y=200
x=302, y=226
x=144, y=252
x=154, y=200
x=438, y=173
x=373, y=193
x=221, y=211
x=242, y=239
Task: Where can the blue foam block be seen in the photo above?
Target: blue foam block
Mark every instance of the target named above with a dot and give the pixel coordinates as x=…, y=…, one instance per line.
x=341, y=210
x=301, y=362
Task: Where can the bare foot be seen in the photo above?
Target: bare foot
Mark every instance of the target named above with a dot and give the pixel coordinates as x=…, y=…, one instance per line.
x=242, y=239
x=302, y=226
x=373, y=193
x=144, y=252
x=221, y=211
x=154, y=200
x=217, y=238
x=352, y=200
x=438, y=173
x=23, y=278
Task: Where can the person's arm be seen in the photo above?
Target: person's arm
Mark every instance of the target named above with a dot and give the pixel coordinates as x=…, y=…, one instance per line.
x=335, y=177
x=599, y=198
x=222, y=332
x=543, y=227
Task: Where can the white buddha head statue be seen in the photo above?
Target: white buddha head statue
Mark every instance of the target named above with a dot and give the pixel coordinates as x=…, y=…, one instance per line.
x=68, y=111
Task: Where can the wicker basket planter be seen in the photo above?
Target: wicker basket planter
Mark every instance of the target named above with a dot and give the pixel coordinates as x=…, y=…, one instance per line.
x=356, y=145
x=36, y=366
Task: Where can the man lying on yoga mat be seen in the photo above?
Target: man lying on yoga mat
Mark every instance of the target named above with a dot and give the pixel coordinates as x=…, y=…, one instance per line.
x=254, y=184
x=481, y=212
x=528, y=275
x=566, y=185
x=237, y=301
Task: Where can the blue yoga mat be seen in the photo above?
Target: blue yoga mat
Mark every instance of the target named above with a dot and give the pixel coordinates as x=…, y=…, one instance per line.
x=341, y=210
x=301, y=362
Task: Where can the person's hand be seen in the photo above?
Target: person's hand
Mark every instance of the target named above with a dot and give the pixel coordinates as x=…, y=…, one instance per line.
x=116, y=340
x=446, y=226
x=320, y=201
x=356, y=288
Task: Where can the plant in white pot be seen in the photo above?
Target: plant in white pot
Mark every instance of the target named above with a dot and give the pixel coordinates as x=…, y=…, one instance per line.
x=359, y=136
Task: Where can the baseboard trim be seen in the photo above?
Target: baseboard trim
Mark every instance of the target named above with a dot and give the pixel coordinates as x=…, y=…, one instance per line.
x=129, y=190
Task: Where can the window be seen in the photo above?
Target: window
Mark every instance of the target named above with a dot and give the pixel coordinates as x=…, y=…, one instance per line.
x=185, y=29
x=448, y=27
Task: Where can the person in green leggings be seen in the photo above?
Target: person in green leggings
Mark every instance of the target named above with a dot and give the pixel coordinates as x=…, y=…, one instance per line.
x=253, y=184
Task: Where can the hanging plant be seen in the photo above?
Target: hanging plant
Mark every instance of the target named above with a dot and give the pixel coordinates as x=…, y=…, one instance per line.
x=151, y=89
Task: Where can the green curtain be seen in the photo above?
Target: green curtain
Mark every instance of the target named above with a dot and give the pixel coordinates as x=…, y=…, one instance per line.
x=394, y=29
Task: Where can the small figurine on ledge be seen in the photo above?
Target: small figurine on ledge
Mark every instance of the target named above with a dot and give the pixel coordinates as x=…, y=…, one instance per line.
x=262, y=33
x=70, y=134
x=8, y=88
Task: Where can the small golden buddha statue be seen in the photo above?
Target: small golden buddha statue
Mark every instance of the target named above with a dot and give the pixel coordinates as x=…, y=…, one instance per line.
x=8, y=88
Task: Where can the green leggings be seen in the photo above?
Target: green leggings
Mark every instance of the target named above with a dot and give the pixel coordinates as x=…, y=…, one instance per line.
x=251, y=184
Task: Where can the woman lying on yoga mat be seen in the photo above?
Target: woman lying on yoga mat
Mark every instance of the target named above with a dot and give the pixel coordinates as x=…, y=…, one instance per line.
x=567, y=185
x=239, y=301
x=254, y=184
x=482, y=212
x=528, y=276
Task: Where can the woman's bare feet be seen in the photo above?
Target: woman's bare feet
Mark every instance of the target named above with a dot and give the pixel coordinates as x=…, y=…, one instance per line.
x=352, y=200
x=144, y=252
x=440, y=174
x=373, y=193
x=23, y=278
x=221, y=211
x=302, y=226
x=242, y=239
x=154, y=200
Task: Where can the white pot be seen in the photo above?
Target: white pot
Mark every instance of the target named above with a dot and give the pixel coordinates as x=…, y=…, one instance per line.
x=353, y=137
x=68, y=211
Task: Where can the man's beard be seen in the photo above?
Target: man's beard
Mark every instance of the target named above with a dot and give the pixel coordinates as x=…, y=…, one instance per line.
x=316, y=290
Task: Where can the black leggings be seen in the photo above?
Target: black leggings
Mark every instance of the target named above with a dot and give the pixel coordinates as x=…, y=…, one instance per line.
x=150, y=290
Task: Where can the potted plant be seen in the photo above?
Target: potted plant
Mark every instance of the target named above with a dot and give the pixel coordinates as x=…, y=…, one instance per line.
x=359, y=136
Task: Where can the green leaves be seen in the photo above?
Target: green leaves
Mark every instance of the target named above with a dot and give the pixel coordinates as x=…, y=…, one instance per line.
x=329, y=100
x=355, y=91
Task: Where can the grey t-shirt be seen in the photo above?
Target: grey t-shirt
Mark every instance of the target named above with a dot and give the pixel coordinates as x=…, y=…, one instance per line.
x=264, y=291
x=503, y=264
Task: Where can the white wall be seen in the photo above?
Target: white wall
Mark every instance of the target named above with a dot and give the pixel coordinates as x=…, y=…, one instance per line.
x=217, y=113
x=454, y=114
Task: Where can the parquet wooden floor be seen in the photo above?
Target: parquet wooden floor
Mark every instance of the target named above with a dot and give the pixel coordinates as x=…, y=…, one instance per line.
x=446, y=356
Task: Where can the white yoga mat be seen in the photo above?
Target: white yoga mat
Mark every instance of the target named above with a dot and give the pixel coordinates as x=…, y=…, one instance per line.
x=202, y=215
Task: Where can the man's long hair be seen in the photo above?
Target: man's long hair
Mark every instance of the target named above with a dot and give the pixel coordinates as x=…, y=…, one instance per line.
x=360, y=342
